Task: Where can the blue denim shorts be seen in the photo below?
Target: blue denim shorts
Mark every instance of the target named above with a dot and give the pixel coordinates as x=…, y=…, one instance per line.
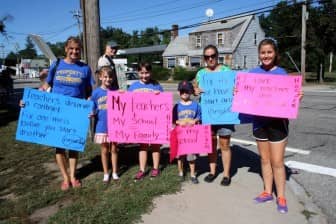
x=222, y=129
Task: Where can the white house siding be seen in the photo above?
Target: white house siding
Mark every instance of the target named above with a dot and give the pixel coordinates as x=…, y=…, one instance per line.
x=247, y=47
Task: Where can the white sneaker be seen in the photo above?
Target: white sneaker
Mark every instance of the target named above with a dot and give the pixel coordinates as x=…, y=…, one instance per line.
x=115, y=176
x=106, y=178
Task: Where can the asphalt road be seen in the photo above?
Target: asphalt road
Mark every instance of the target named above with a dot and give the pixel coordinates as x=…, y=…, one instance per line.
x=312, y=141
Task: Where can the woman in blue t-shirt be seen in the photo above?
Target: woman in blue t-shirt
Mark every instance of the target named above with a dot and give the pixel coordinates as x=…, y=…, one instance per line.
x=70, y=77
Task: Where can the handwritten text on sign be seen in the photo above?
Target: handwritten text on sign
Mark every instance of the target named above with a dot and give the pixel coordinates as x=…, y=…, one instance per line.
x=53, y=120
x=267, y=95
x=194, y=139
x=136, y=117
x=216, y=101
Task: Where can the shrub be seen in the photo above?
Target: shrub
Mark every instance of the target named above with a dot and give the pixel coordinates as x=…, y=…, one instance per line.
x=181, y=73
x=160, y=73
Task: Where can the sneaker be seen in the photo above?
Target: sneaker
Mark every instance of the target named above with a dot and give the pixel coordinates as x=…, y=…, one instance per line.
x=209, y=178
x=106, y=178
x=282, y=205
x=115, y=176
x=139, y=176
x=263, y=197
x=194, y=180
x=155, y=172
x=226, y=181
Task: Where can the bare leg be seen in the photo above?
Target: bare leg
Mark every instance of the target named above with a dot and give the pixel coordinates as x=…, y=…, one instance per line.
x=266, y=168
x=104, y=157
x=143, y=157
x=213, y=156
x=224, y=143
x=277, y=160
x=192, y=168
x=156, y=155
x=73, y=157
x=62, y=165
x=114, y=157
x=180, y=165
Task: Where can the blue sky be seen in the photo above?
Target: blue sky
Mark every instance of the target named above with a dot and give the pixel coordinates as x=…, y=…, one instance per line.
x=54, y=21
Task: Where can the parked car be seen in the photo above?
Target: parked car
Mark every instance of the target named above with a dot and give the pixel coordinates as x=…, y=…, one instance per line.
x=131, y=77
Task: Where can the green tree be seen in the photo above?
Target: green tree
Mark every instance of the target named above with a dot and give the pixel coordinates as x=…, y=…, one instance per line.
x=57, y=49
x=29, y=52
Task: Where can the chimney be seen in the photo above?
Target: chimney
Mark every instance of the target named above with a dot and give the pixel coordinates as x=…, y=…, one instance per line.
x=174, y=32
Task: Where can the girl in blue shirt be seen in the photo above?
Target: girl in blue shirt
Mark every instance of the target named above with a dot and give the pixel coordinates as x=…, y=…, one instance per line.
x=271, y=133
x=147, y=84
x=109, y=82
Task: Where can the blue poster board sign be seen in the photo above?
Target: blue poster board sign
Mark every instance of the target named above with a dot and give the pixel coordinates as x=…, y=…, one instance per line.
x=54, y=120
x=216, y=100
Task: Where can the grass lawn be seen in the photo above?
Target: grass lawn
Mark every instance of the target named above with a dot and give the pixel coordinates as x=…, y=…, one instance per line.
x=30, y=185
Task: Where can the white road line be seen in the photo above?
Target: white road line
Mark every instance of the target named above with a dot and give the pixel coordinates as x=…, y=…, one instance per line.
x=311, y=168
x=289, y=149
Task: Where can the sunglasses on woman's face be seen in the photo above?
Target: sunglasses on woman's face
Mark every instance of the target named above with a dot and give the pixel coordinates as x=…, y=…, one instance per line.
x=207, y=57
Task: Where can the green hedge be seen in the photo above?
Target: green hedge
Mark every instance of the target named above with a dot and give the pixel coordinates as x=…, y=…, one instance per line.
x=180, y=73
x=160, y=73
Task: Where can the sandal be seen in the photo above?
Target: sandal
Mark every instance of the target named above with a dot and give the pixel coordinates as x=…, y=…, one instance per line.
x=65, y=186
x=76, y=184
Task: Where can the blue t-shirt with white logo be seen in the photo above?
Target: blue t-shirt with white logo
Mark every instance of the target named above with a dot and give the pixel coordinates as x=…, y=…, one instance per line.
x=99, y=99
x=145, y=87
x=184, y=112
x=70, y=79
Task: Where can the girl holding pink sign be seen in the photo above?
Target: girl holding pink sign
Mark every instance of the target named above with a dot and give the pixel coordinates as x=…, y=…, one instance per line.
x=271, y=133
x=109, y=82
x=147, y=84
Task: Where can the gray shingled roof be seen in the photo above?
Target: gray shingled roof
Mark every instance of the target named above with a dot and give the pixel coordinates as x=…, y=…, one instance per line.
x=218, y=25
x=143, y=50
x=179, y=46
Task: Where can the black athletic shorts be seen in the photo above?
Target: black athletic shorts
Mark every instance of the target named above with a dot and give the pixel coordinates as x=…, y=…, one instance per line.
x=275, y=130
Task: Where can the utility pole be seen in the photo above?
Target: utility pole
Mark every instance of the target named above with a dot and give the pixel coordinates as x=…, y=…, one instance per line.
x=91, y=21
x=303, y=41
x=77, y=15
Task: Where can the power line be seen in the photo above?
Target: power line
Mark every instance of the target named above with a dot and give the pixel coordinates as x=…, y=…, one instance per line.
x=177, y=9
x=238, y=15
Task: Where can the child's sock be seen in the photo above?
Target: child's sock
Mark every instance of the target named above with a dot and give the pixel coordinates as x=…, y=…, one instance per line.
x=180, y=174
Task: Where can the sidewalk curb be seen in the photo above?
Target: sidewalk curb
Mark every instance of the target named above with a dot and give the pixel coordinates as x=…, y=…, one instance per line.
x=316, y=214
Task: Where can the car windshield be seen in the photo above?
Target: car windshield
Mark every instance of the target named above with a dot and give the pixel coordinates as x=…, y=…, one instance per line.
x=132, y=76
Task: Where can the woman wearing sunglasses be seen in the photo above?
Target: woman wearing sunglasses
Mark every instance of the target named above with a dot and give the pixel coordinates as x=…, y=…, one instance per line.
x=224, y=131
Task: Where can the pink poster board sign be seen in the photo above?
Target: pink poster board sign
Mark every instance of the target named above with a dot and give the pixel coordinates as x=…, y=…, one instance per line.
x=136, y=117
x=194, y=139
x=267, y=95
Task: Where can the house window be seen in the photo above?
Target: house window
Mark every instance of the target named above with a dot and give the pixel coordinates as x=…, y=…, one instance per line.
x=171, y=62
x=255, y=39
x=220, y=39
x=195, y=61
x=198, y=41
x=221, y=60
